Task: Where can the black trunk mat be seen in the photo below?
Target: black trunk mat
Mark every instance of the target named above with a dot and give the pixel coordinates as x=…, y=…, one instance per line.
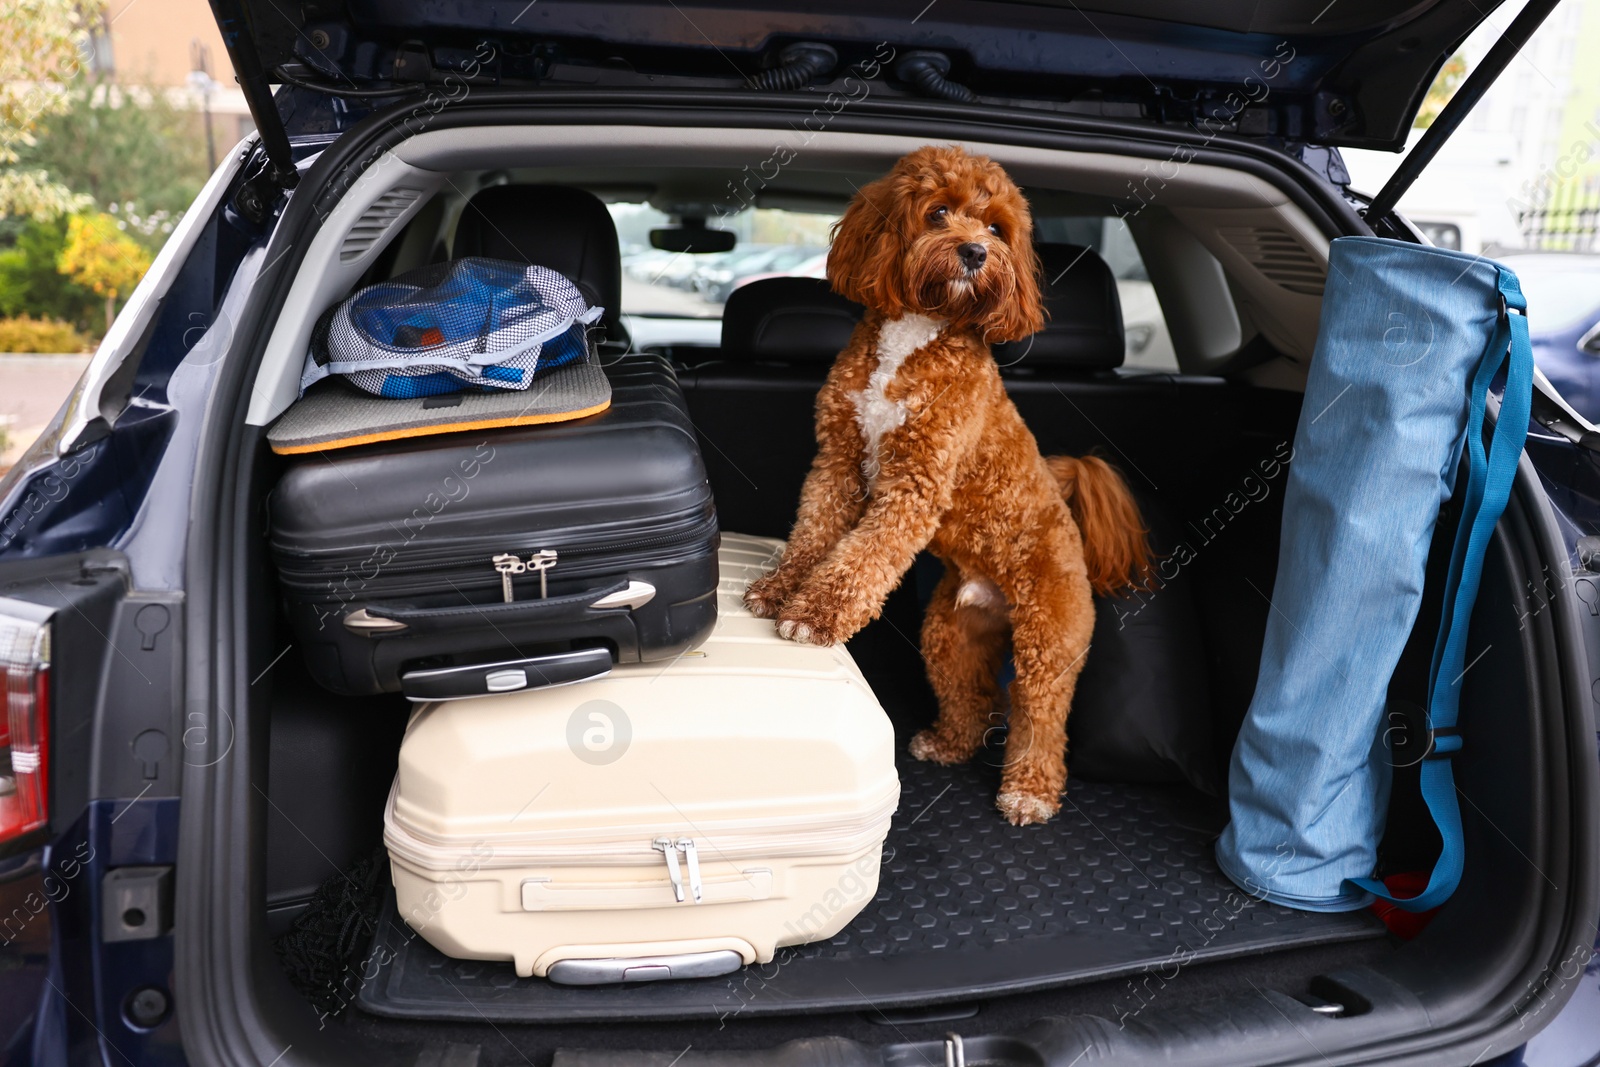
x=968, y=906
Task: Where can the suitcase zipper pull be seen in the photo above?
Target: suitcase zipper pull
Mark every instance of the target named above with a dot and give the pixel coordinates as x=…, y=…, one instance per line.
x=667, y=848
x=692, y=857
x=542, y=561
x=507, y=565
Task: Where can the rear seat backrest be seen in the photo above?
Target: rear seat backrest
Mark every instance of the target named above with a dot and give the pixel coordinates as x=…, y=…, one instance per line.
x=754, y=407
x=802, y=321
x=557, y=226
x=1083, y=330
x=786, y=320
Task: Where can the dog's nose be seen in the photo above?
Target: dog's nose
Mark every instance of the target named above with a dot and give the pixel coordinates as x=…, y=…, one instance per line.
x=972, y=255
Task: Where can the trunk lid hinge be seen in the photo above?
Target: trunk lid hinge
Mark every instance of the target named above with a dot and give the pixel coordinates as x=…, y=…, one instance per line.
x=255, y=199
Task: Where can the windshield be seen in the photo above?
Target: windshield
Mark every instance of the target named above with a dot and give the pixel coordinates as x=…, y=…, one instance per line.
x=770, y=241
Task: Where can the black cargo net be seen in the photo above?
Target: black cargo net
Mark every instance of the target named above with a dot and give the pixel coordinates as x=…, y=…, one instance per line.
x=321, y=951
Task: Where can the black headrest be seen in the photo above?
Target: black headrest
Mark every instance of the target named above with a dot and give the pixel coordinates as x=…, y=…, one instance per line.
x=1084, y=328
x=787, y=320
x=568, y=230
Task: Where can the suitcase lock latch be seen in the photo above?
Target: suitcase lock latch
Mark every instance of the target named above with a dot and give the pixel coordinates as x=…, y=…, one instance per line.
x=508, y=564
x=670, y=849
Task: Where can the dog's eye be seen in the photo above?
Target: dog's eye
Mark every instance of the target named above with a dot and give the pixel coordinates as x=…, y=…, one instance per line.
x=938, y=213
x=994, y=228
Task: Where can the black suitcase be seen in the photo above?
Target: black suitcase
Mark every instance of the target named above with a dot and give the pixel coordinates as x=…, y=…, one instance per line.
x=394, y=559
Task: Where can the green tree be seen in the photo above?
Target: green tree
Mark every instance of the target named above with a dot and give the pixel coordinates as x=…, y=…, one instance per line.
x=1444, y=86
x=31, y=285
x=42, y=43
x=101, y=258
x=129, y=150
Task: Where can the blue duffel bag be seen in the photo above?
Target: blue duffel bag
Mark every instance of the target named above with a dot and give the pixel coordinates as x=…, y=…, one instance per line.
x=1410, y=340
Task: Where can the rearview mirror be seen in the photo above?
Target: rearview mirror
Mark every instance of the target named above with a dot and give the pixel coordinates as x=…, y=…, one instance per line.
x=693, y=236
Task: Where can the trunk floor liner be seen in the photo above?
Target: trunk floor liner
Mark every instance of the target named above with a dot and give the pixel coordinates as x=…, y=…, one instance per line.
x=968, y=906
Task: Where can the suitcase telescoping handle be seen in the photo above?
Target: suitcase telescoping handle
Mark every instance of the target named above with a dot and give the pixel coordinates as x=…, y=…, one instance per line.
x=507, y=676
x=399, y=617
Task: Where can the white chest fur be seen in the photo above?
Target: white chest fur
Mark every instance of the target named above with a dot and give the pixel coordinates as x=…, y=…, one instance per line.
x=876, y=414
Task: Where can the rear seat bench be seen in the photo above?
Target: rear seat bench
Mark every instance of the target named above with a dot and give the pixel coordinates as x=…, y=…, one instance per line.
x=753, y=404
x=1184, y=443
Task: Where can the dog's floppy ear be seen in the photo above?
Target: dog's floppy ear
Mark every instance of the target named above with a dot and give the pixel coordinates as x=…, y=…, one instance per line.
x=864, y=260
x=1021, y=314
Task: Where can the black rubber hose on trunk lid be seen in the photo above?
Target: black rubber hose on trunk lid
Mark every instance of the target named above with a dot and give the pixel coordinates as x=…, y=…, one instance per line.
x=926, y=72
x=798, y=64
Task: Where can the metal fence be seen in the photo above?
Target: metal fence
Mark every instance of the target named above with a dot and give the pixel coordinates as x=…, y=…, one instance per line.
x=1567, y=219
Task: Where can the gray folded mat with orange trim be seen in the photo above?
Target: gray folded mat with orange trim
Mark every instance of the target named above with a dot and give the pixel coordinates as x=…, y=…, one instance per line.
x=335, y=414
x=468, y=344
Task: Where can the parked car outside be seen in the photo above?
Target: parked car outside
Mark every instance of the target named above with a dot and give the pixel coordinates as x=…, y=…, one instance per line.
x=1563, y=290
x=706, y=267
x=724, y=277
x=646, y=265
x=815, y=267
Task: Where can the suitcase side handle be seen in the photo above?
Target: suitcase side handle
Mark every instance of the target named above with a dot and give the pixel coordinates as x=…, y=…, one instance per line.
x=507, y=676
x=567, y=607
x=545, y=893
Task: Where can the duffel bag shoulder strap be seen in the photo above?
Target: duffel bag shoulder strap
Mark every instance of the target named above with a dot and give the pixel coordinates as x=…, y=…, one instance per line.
x=1489, y=481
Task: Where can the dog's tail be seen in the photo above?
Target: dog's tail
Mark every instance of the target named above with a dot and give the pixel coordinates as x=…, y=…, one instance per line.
x=1115, y=548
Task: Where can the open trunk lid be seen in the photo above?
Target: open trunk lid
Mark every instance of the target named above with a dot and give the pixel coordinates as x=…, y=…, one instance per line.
x=1346, y=72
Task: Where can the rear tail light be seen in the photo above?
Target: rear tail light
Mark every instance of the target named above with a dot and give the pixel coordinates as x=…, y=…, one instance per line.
x=24, y=723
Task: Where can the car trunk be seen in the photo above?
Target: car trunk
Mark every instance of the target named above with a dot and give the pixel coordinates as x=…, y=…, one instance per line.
x=1109, y=929
x=1115, y=909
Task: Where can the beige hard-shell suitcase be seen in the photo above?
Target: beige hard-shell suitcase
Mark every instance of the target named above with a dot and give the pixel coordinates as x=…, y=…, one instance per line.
x=660, y=822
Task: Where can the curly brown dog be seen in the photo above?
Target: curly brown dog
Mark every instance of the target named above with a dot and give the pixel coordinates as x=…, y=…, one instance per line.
x=920, y=447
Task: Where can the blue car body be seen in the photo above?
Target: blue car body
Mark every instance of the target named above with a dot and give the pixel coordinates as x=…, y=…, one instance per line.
x=97, y=520
x=1567, y=286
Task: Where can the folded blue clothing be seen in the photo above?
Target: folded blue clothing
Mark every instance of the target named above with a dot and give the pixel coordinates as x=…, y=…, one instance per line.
x=475, y=323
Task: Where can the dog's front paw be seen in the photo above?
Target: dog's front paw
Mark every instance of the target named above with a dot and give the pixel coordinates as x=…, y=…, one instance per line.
x=934, y=747
x=813, y=619
x=765, y=596
x=1021, y=809
x=815, y=632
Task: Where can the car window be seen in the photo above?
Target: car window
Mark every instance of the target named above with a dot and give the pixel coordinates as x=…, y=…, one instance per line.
x=690, y=285
x=1562, y=293
x=1148, y=345
x=677, y=297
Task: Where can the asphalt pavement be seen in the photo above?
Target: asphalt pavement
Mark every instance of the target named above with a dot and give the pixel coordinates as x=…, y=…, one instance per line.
x=32, y=389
